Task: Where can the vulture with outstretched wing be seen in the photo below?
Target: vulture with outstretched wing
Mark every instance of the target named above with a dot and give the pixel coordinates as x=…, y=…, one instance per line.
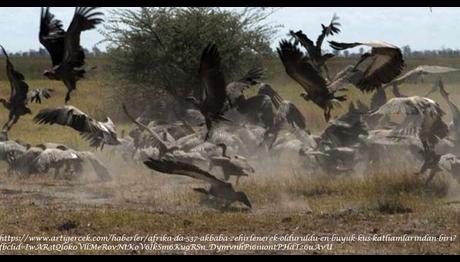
x=385, y=63
x=219, y=189
x=19, y=96
x=213, y=88
x=317, y=89
x=67, y=56
x=314, y=51
x=98, y=133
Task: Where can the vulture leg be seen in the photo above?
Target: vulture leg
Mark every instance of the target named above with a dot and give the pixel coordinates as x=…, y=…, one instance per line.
x=67, y=97
x=326, y=71
x=237, y=180
x=433, y=172
x=13, y=120
x=208, y=129
x=327, y=114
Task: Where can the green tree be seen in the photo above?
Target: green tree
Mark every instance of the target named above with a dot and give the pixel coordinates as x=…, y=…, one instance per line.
x=156, y=50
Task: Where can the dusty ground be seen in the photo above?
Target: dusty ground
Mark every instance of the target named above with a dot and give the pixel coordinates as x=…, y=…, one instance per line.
x=145, y=203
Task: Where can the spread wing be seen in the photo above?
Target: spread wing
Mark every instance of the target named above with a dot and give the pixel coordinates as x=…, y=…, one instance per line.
x=66, y=116
x=85, y=18
x=212, y=80
x=19, y=87
x=300, y=70
x=331, y=29
x=266, y=89
x=453, y=108
x=51, y=36
x=414, y=74
x=302, y=38
x=157, y=141
x=386, y=63
x=180, y=168
x=235, y=89
x=38, y=94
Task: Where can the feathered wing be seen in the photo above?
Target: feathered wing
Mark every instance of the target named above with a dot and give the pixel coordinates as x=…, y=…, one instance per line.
x=386, y=63
x=19, y=87
x=293, y=115
x=305, y=42
x=268, y=90
x=66, y=116
x=51, y=36
x=180, y=168
x=157, y=141
x=453, y=108
x=253, y=76
x=414, y=74
x=300, y=70
x=212, y=80
x=85, y=18
x=415, y=110
x=39, y=94
x=331, y=29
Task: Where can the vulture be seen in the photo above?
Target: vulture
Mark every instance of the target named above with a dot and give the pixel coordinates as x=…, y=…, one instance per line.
x=454, y=126
x=43, y=157
x=317, y=89
x=213, y=88
x=67, y=56
x=314, y=51
x=96, y=132
x=416, y=74
x=162, y=145
x=385, y=64
x=19, y=96
x=234, y=90
x=219, y=189
x=346, y=129
x=423, y=119
x=285, y=112
x=231, y=165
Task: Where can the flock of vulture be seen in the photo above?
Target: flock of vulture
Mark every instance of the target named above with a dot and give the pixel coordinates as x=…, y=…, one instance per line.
x=223, y=133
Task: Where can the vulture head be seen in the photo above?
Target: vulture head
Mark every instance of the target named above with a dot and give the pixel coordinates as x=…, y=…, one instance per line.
x=50, y=74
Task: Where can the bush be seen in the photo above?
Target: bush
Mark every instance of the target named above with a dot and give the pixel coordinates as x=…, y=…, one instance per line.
x=156, y=50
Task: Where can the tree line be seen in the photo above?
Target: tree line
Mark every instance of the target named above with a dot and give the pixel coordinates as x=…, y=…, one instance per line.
x=95, y=51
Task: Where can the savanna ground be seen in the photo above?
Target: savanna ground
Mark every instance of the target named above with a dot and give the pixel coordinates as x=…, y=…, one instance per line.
x=285, y=201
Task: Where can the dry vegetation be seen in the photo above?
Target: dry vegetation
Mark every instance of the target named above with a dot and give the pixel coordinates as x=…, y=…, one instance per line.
x=285, y=200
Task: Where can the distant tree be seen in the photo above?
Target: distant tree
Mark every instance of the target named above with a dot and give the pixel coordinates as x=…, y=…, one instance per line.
x=406, y=50
x=42, y=52
x=361, y=50
x=346, y=53
x=156, y=50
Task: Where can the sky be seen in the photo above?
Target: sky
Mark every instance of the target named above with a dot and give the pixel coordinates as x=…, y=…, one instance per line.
x=414, y=26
